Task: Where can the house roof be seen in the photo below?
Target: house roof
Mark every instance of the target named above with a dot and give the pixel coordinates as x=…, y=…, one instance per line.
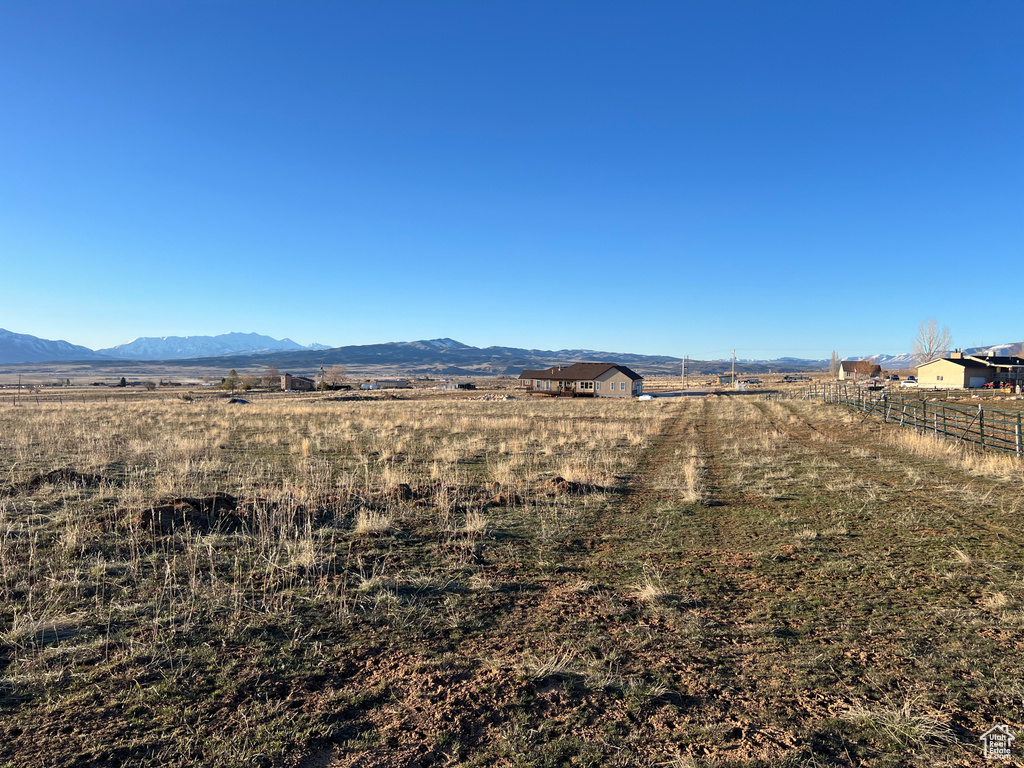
x=980, y=361
x=860, y=366
x=579, y=372
x=996, y=359
x=964, y=362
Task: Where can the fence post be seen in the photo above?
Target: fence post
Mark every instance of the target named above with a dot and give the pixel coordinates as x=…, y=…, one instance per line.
x=981, y=425
x=1018, y=435
x=924, y=416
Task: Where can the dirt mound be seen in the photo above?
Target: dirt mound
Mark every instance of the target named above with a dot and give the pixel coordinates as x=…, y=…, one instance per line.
x=64, y=475
x=504, y=499
x=208, y=513
x=404, y=492
x=457, y=497
x=560, y=486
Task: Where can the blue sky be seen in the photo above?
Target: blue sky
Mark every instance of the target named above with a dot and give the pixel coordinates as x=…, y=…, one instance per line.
x=782, y=178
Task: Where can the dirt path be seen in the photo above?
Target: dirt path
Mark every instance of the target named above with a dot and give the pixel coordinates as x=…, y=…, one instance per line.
x=943, y=488
x=776, y=617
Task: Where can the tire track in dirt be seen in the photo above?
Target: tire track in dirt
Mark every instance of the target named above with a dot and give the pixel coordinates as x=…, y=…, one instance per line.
x=826, y=443
x=694, y=649
x=714, y=669
x=648, y=487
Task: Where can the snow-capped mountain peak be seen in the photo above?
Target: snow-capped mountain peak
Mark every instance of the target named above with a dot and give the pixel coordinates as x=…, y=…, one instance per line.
x=22, y=348
x=184, y=347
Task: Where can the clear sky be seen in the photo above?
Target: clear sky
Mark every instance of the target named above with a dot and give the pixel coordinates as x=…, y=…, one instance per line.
x=783, y=178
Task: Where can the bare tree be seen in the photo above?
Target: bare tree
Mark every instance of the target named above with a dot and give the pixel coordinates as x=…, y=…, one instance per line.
x=931, y=343
x=272, y=378
x=335, y=376
x=833, y=364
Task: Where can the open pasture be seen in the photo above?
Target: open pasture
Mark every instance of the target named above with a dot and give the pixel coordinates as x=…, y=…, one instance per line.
x=691, y=582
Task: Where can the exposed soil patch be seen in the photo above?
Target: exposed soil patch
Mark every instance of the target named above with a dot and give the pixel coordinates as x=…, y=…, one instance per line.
x=202, y=514
x=62, y=476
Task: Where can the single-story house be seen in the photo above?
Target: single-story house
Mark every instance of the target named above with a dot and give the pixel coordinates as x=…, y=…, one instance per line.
x=392, y=383
x=851, y=370
x=291, y=383
x=584, y=380
x=961, y=371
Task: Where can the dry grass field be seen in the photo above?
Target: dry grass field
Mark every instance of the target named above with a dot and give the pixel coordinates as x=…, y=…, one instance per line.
x=713, y=581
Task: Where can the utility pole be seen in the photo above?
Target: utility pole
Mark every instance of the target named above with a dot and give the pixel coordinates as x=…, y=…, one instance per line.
x=734, y=368
x=323, y=383
x=19, y=390
x=684, y=371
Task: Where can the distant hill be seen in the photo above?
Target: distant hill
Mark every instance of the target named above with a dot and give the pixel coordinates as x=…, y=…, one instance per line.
x=447, y=357
x=907, y=360
x=891, y=362
x=188, y=347
x=426, y=357
x=1000, y=350
x=22, y=348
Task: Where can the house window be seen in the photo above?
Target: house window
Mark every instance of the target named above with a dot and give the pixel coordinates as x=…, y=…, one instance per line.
x=938, y=378
x=622, y=386
x=597, y=386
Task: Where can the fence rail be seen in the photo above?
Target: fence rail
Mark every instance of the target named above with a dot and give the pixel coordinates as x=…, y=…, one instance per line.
x=986, y=428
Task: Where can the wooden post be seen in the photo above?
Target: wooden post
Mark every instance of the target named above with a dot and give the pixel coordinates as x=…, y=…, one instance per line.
x=981, y=425
x=1018, y=435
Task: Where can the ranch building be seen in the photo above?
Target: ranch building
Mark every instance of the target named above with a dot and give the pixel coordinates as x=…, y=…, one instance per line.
x=291, y=383
x=962, y=371
x=584, y=380
x=852, y=370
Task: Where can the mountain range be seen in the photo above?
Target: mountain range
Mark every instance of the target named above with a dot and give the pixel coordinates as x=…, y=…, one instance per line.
x=907, y=360
x=426, y=357
x=187, y=347
x=23, y=348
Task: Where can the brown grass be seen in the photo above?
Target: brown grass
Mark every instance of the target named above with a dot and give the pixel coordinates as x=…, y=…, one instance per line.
x=712, y=581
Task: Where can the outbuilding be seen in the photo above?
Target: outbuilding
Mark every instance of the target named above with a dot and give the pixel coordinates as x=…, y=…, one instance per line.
x=962, y=371
x=853, y=370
